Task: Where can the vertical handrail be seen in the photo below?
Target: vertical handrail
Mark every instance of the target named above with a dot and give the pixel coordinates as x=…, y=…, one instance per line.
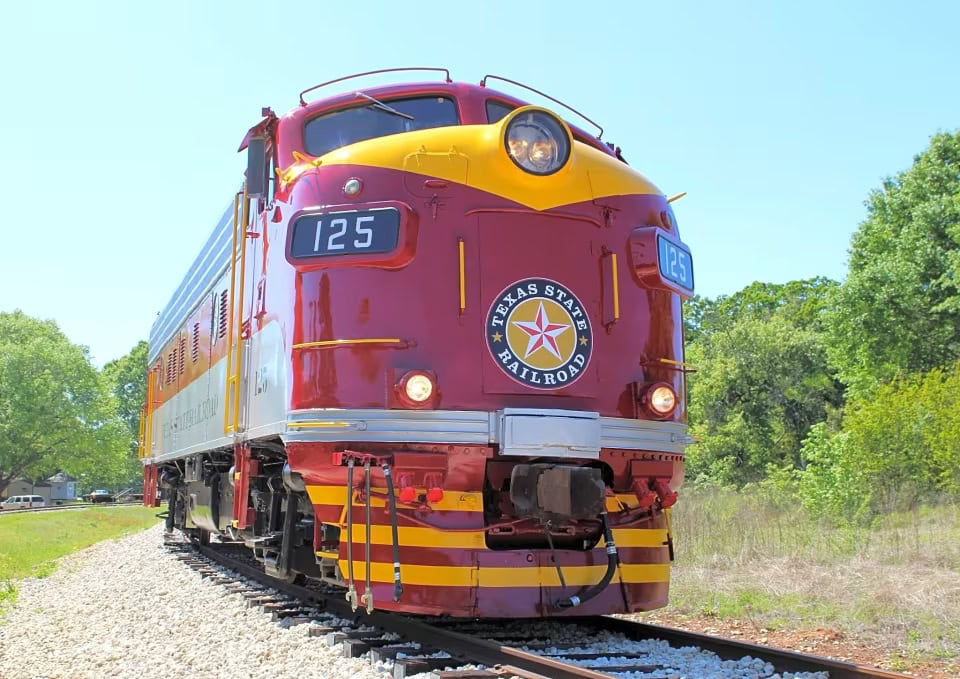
x=244, y=222
x=462, y=280
x=141, y=449
x=233, y=276
x=616, y=286
x=146, y=418
x=231, y=402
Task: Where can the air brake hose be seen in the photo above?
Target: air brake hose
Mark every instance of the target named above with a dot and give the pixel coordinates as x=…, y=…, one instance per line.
x=367, y=598
x=351, y=590
x=574, y=601
x=392, y=502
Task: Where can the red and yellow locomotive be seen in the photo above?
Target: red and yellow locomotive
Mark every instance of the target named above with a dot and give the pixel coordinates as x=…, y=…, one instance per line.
x=431, y=353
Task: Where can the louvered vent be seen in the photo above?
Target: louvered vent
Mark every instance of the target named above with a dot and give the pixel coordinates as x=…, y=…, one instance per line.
x=195, y=345
x=222, y=328
x=182, y=364
x=171, y=366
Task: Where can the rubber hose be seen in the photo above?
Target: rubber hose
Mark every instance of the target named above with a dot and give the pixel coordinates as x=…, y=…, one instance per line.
x=574, y=601
x=392, y=501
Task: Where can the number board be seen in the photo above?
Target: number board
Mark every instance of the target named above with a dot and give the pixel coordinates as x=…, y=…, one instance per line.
x=676, y=264
x=356, y=232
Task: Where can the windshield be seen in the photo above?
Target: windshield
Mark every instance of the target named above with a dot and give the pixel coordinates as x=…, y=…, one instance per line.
x=332, y=130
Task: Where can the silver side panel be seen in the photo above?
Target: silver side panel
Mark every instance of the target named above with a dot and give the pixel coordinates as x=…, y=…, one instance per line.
x=208, y=266
x=192, y=421
x=547, y=432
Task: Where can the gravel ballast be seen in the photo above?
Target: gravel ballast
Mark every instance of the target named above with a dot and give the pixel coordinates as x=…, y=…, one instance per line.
x=129, y=608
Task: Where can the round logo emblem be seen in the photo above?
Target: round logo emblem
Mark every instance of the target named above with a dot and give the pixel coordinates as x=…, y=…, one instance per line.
x=539, y=334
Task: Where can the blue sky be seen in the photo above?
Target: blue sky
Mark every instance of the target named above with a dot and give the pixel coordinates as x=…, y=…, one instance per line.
x=120, y=122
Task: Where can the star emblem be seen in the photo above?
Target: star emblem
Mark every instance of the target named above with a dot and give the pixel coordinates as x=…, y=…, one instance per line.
x=496, y=337
x=583, y=341
x=542, y=334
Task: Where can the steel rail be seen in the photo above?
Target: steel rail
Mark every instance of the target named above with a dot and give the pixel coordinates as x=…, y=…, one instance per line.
x=54, y=508
x=530, y=665
x=731, y=649
x=463, y=646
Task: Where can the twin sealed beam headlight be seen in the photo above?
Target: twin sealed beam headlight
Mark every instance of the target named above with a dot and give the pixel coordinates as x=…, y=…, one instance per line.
x=537, y=141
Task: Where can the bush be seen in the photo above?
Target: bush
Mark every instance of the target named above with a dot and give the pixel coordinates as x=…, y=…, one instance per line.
x=896, y=450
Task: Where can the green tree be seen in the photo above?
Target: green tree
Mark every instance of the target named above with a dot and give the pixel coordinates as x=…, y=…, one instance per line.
x=127, y=378
x=56, y=411
x=760, y=386
x=896, y=449
x=697, y=318
x=802, y=302
x=899, y=309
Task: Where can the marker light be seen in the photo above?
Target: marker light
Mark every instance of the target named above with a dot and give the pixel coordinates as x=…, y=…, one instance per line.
x=352, y=186
x=660, y=399
x=537, y=142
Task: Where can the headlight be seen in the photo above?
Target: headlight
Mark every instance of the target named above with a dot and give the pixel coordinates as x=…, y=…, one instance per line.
x=538, y=142
x=417, y=389
x=660, y=400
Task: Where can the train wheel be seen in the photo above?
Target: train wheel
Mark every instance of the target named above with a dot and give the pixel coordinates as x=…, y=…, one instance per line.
x=200, y=536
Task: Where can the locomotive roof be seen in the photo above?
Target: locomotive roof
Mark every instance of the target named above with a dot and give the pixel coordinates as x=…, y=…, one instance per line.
x=459, y=90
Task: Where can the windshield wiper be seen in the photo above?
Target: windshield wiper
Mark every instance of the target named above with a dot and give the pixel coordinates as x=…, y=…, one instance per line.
x=384, y=107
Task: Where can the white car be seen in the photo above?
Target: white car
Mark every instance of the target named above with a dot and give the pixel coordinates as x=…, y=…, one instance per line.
x=23, y=502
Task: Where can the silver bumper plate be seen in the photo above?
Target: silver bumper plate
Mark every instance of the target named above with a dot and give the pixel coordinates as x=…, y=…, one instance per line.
x=517, y=431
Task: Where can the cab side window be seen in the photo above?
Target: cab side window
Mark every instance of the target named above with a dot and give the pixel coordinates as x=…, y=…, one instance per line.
x=496, y=110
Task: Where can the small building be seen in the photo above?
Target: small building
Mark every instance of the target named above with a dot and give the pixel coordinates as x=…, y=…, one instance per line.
x=63, y=487
x=28, y=487
x=58, y=489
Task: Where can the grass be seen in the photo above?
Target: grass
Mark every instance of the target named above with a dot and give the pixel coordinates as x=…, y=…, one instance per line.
x=764, y=559
x=30, y=543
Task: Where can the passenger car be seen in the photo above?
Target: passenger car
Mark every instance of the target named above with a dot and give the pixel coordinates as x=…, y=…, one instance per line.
x=23, y=502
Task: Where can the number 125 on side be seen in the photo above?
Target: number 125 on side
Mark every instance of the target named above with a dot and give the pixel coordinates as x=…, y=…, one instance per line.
x=676, y=264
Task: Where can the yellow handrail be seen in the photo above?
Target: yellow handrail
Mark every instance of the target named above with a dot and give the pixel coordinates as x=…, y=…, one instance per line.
x=231, y=402
x=463, y=283
x=616, y=287
x=141, y=447
x=146, y=418
x=322, y=344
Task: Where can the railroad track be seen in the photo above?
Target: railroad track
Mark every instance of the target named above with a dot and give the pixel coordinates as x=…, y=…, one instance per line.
x=577, y=648
x=57, y=508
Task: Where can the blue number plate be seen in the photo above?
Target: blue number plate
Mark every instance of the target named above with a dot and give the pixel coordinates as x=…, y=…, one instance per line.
x=676, y=264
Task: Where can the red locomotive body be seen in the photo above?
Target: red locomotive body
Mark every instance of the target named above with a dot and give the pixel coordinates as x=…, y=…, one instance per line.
x=433, y=354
